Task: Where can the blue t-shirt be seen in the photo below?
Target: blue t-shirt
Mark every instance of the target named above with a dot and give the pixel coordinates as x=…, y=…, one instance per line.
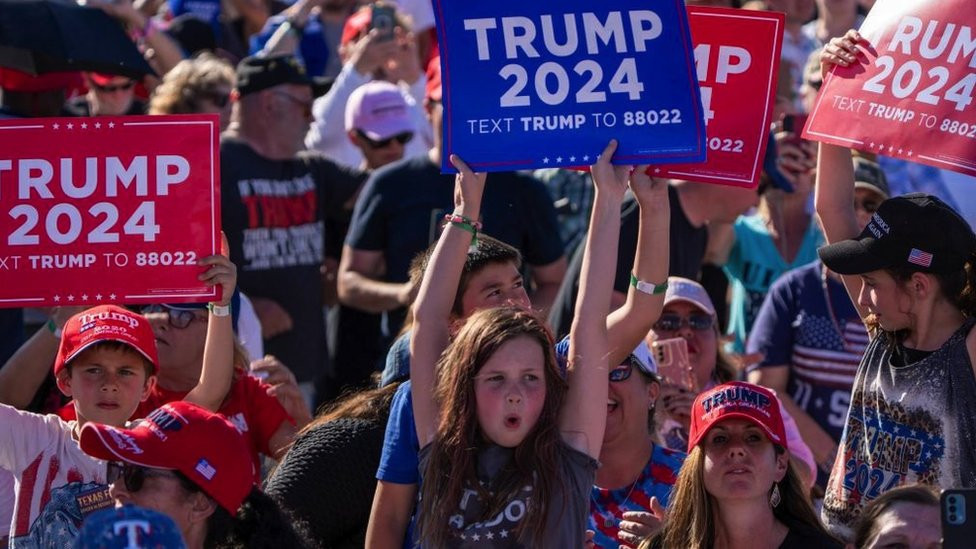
x=399, y=461
x=753, y=265
x=608, y=506
x=822, y=346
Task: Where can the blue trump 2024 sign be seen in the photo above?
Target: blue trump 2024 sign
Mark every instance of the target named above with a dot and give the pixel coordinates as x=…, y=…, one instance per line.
x=530, y=84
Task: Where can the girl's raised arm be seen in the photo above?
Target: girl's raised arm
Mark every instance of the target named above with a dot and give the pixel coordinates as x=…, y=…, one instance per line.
x=584, y=414
x=432, y=310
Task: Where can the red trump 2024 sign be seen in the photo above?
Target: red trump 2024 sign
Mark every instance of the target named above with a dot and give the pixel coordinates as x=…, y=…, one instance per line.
x=736, y=58
x=913, y=99
x=107, y=209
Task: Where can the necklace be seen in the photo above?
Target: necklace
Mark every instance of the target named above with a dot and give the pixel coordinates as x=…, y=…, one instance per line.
x=830, y=310
x=610, y=521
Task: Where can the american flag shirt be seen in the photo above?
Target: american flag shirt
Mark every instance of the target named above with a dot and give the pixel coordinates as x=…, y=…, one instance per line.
x=822, y=344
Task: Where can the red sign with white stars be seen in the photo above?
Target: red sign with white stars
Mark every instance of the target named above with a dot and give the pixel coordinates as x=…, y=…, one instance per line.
x=107, y=209
x=913, y=97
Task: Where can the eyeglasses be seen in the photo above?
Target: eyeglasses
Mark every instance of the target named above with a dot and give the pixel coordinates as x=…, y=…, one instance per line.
x=112, y=88
x=306, y=105
x=401, y=138
x=177, y=318
x=673, y=323
x=133, y=476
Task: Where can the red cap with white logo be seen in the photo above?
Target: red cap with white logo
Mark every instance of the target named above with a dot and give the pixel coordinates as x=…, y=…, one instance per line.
x=106, y=323
x=737, y=399
x=203, y=446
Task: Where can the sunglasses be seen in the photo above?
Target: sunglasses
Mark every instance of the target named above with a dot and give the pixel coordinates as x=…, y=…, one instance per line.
x=133, y=476
x=112, y=88
x=177, y=319
x=624, y=370
x=305, y=105
x=401, y=138
x=673, y=323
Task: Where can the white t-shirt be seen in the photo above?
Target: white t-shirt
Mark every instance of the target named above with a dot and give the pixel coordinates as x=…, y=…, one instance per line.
x=57, y=485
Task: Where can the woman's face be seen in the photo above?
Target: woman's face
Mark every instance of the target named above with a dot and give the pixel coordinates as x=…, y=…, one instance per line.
x=907, y=526
x=740, y=461
x=156, y=489
x=702, y=343
x=884, y=297
x=510, y=390
x=628, y=405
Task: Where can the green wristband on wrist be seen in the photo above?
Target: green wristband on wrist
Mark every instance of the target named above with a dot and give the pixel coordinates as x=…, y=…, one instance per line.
x=648, y=288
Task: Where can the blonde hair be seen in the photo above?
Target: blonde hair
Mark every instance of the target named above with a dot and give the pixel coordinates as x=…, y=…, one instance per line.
x=190, y=81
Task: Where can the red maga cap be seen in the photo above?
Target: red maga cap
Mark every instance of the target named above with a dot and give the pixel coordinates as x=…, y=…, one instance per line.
x=106, y=323
x=181, y=436
x=737, y=399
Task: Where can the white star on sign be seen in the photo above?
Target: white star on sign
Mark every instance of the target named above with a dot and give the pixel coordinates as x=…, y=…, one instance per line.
x=98, y=125
x=657, y=170
x=111, y=296
x=84, y=297
x=586, y=157
x=545, y=160
x=572, y=159
x=909, y=153
x=98, y=297
x=901, y=151
x=71, y=126
x=891, y=148
x=71, y=298
x=111, y=124
x=872, y=144
x=84, y=125
x=559, y=159
x=56, y=126
x=503, y=534
x=57, y=298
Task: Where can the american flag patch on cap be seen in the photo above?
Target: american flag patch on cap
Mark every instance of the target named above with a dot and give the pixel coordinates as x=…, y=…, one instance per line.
x=918, y=257
x=204, y=468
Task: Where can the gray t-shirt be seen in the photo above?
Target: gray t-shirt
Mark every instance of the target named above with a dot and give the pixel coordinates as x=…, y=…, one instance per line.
x=565, y=523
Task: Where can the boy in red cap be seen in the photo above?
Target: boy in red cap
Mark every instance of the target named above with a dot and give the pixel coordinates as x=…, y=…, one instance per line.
x=107, y=364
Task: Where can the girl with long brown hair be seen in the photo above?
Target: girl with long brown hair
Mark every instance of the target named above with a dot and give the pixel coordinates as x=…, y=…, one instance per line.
x=508, y=443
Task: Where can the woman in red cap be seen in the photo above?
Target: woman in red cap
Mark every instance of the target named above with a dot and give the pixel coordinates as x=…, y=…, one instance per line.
x=737, y=487
x=193, y=465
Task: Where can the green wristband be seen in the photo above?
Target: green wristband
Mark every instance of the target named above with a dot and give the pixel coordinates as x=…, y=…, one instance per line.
x=648, y=288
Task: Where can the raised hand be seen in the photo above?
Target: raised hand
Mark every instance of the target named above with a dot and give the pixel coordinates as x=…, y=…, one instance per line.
x=842, y=51
x=607, y=177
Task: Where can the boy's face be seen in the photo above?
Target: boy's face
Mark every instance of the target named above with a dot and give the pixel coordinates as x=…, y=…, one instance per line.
x=495, y=285
x=106, y=384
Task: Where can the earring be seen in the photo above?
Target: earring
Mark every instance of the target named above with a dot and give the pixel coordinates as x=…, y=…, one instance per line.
x=774, y=497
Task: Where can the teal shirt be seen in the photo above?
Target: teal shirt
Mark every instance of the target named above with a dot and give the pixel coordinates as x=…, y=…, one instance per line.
x=753, y=265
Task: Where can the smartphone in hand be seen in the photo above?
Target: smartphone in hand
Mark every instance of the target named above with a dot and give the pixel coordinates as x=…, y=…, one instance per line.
x=383, y=19
x=673, y=365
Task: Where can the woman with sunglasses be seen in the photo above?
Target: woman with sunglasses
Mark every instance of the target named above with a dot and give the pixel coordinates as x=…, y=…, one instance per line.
x=199, y=85
x=191, y=465
x=634, y=482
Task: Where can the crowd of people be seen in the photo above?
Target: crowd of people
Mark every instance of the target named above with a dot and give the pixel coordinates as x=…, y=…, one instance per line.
x=558, y=358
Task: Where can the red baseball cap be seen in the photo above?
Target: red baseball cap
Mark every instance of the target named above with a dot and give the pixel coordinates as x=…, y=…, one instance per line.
x=356, y=25
x=203, y=446
x=106, y=323
x=737, y=399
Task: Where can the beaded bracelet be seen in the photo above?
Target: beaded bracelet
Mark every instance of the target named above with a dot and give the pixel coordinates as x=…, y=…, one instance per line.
x=466, y=224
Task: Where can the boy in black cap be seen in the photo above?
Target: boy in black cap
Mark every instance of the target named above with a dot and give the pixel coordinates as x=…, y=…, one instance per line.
x=912, y=417
x=275, y=200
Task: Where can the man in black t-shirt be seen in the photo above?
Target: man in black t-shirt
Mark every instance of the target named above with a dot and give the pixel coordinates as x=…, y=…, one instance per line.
x=275, y=199
x=401, y=212
x=693, y=206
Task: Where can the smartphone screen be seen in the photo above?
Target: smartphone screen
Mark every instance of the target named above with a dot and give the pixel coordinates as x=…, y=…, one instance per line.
x=671, y=356
x=384, y=20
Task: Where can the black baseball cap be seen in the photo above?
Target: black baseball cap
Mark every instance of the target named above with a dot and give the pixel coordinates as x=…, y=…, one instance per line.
x=916, y=230
x=256, y=74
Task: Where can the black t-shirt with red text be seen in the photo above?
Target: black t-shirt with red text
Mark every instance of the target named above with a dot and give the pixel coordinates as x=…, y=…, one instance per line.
x=274, y=212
